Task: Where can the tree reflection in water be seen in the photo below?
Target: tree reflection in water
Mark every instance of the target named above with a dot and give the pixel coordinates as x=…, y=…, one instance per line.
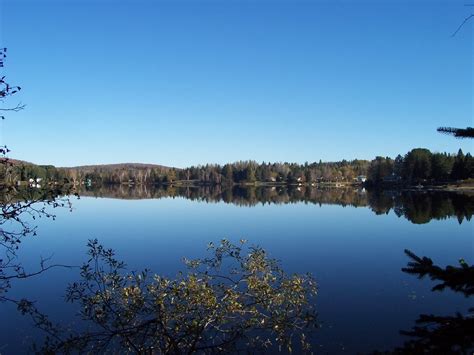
x=18, y=207
x=416, y=206
x=238, y=299
x=434, y=334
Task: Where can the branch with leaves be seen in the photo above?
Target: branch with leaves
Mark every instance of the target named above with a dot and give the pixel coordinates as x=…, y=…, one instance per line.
x=238, y=299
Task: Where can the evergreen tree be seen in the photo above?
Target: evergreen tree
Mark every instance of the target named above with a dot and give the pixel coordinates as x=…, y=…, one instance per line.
x=441, y=165
x=458, y=171
x=417, y=165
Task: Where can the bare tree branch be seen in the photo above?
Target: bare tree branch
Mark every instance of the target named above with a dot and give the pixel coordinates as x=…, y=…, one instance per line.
x=17, y=108
x=463, y=23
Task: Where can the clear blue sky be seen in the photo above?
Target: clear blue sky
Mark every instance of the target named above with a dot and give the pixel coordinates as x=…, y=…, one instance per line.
x=188, y=82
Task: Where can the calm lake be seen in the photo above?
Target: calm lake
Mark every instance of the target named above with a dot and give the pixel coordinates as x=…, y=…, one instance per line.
x=352, y=241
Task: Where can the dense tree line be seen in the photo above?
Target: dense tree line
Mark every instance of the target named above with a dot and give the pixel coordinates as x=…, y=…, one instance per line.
x=420, y=165
x=19, y=171
x=417, y=166
x=236, y=173
x=292, y=173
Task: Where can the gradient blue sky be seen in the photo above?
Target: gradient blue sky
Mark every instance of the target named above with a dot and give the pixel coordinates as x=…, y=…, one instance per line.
x=188, y=82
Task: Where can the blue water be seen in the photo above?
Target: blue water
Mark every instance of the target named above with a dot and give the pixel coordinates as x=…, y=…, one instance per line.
x=356, y=256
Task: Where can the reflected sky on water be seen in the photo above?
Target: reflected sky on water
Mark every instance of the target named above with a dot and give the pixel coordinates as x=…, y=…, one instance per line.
x=356, y=255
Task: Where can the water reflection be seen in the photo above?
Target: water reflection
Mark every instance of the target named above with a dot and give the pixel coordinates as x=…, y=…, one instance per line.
x=417, y=206
x=17, y=208
x=441, y=334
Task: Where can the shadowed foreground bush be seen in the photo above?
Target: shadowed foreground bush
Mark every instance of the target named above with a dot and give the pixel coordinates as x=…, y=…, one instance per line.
x=238, y=299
